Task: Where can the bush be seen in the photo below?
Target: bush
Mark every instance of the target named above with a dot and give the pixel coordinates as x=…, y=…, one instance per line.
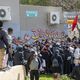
x=65, y=77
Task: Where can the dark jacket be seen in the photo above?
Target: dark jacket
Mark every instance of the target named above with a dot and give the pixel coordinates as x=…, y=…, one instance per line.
x=3, y=39
x=76, y=73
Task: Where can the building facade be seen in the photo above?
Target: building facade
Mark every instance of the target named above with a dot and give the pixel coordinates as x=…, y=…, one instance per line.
x=15, y=18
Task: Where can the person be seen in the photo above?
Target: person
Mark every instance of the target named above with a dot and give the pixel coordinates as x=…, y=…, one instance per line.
x=57, y=63
x=76, y=70
x=67, y=61
x=10, y=32
x=77, y=51
x=4, y=45
x=46, y=55
x=27, y=54
x=34, y=66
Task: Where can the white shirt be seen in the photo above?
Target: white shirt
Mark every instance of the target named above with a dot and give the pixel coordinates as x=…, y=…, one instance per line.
x=9, y=39
x=71, y=49
x=77, y=53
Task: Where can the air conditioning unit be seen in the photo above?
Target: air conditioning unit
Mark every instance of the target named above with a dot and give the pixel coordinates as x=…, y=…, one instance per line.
x=5, y=13
x=54, y=18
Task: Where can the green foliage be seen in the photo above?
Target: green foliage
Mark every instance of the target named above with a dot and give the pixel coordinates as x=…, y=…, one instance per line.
x=35, y=2
x=45, y=77
x=65, y=77
x=78, y=5
x=23, y=1
x=49, y=77
x=65, y=4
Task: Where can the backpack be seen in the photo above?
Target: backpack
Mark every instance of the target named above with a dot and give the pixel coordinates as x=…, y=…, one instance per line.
x=55, y=63
x=39, y=64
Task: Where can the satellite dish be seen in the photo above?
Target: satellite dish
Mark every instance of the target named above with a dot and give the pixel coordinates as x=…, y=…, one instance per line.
x=2, y=13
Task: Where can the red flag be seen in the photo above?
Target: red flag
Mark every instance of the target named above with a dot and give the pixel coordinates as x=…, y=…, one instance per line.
x=74, y=23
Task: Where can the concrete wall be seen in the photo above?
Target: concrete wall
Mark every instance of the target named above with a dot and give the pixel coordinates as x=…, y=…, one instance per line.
x=41, y=21
x=21, y=23
x=15, y=21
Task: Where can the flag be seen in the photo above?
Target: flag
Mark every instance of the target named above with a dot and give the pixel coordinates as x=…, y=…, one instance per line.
x=74, y=23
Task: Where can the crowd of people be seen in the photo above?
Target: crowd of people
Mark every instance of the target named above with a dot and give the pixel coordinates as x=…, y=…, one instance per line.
x=49, y=57
x=46, y=56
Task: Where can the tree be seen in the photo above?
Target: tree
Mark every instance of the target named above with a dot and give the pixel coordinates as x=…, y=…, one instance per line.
x=65, y=4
